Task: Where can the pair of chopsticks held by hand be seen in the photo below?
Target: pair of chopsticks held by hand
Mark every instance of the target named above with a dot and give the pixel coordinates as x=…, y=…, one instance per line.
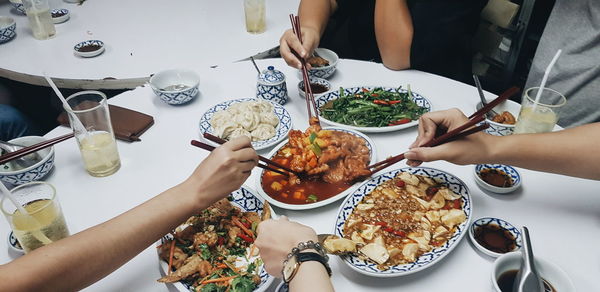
x=460, y=132
x=268, y=164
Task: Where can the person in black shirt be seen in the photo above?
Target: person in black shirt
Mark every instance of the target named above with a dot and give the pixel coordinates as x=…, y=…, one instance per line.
x=428, y=35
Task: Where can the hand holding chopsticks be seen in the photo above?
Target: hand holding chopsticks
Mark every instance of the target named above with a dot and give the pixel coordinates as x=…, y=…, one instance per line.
x=461, y=131
x=33, y=148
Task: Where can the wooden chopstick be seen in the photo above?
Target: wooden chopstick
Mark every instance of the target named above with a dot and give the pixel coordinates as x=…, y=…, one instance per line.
x=218, y=140
x=502, y=97
x=211, y=148
x=33, y=148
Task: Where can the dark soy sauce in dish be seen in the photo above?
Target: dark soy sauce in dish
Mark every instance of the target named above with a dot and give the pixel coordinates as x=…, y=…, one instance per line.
x=507, y=279
x=496, y=177
x=89, y=48
x=495, y=238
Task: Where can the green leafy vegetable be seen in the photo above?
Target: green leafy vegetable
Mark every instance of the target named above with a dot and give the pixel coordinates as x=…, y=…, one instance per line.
x=204, y=251
x=242, y=284
x=212, y=287
x=312, y=198
x=251, y=268
x=312, y=137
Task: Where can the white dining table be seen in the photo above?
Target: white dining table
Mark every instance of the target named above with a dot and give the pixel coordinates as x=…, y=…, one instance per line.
x=562, y=213
x=141, y=38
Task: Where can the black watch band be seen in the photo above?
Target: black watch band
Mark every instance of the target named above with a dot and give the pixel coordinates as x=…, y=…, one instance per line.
x=313, y=256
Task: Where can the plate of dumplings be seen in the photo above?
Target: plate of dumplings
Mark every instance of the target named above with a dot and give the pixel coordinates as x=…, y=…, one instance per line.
x=265, y=123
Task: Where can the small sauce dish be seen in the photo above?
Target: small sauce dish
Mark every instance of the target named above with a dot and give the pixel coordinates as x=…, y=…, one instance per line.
x=60, y=15
x=89, y=48
x=497, y=178
x=319, y=86
x=13, y=244
x=494, y=237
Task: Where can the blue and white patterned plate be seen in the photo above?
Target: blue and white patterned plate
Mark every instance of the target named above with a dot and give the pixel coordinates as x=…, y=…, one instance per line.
x=369, y=143
x=281, y=131
x=497, y=221
x=511, y=171
x=335, y=94
x=424, y=261
x=248, y=201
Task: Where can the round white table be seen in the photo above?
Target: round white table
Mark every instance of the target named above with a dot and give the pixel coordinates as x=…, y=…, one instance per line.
x=561, y=212
x=141, y=38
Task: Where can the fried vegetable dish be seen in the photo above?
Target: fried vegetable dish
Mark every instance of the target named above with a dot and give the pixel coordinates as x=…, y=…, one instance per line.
x=505, y=118
x=316, y=61
x=401, y=219
x=213, y=251
x=373, y=108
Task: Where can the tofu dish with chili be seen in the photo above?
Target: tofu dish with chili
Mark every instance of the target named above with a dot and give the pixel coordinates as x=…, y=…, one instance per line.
x=330, y=161
x=213, y=251
x=400, y=220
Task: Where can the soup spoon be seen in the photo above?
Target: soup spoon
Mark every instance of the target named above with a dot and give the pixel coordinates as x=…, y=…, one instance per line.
x=23, y=162
x=528, y=278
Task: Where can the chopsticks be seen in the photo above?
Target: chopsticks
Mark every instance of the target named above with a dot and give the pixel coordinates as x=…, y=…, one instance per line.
x=464, y=130
x=310, y=98
x=33, y=148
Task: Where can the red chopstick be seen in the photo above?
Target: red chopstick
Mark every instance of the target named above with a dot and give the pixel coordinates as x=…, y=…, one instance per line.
x=218, y=140
x=502, y=97
x=33, y=148
x=211, y=148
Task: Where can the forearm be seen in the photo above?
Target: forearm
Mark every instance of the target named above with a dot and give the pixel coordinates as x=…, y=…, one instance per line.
x=314, y=14
x=94, y=253
x=572, y=152
x=394, y=33
x=311, y=276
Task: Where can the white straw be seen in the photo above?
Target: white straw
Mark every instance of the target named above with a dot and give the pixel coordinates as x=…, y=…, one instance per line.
x=36, y=232
x=77, y=122
x=545, y=78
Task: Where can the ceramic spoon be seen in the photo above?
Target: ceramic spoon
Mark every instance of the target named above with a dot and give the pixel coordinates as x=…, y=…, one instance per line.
x=23, y=162
x=528, y=279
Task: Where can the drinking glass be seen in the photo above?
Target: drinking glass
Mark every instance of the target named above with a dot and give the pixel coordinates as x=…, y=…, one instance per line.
x=540, y=116
x=40, y=20
x=255, y=16
x=97, y=141
x=45, y=222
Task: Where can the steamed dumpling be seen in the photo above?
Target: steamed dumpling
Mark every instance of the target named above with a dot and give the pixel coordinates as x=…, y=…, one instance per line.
x=269, y=118
x=239, y=107
x=220, y=118
x=239, y=132
x=248, y=120
x=263, y=132
x=224, y=130
x=263, y=106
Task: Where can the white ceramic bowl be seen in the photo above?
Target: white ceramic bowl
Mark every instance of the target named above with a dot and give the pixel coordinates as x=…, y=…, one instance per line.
x=79, y=49
x=7, y=29
x=325, y=71
x=314, y=80
x=164, y=79
x=498, y=129
x=511, y=171
x=494, y=221
x=13, y=244
x=549, y=271
x=34, y=172
x=62, y=18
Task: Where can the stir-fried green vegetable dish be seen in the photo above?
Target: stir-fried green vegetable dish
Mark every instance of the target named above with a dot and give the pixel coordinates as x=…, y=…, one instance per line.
x=373, y=108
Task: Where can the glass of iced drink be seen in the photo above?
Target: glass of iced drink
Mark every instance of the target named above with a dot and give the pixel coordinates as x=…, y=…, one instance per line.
x=40, y=20
x=255, y=16
x=97, y=142
x=540, y=116
x=44, y=222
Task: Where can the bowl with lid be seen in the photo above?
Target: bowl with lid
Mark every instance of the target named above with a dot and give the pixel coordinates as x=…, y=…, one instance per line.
x=271, y=86
x=497, y=178
x=323, y=63
x=7, y=29
x=175, y=86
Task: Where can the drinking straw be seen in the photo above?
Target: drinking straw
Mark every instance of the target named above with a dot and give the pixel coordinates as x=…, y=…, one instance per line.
x=545, y=78
x=36, y=232
x=77, y=122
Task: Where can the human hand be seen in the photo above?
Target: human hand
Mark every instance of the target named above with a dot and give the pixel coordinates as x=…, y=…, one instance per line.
x=289, y=42
x=224, y=170
x=471, y=149
x=275, y=241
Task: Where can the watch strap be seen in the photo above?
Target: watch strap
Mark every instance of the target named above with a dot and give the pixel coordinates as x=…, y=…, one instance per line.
x=313, y=256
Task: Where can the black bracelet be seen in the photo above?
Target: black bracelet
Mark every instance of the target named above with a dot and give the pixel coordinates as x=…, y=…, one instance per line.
x=313, y=256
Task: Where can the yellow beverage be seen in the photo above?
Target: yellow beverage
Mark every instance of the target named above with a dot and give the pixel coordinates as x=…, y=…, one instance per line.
x=538, y=120
x=99, y=153
x=44, y=225
x=255, y=11
x=41, y=23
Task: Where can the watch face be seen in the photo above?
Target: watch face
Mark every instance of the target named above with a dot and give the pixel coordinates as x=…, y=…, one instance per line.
x=289, y=269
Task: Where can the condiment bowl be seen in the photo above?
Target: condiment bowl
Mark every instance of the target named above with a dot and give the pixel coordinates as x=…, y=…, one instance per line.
x=34, y=172
x=60, y=15
x=509, y=170
x=18, y=5
x=490, y=221
x=325, y=71
x=13, y=244
x=7, y=29
x=499, y=129
x=314, y=80
x=550, y=272
x=89, y=48
x=176, y=86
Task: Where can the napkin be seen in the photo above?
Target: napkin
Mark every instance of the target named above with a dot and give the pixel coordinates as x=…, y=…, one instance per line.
x=127, y=124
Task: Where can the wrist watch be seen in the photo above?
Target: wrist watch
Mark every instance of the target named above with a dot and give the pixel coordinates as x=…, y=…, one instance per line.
x=296, y=258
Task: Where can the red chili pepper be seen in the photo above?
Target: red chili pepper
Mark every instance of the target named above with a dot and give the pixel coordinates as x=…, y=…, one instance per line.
x=394, y=101
x=245, y=223
x=388, y=229
x=365, y=90
x=431, y=191
x=400, y=183
x=374, y=95
x=381, y=223
x=221, y=240
x=381, y=102
x=245, y=238
x=456, y=204
x=399, y=233
x=400, y=122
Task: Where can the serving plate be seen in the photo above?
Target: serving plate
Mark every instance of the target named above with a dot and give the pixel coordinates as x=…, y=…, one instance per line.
x=281, y=131
x=369, y=143
x=248, y=201
x=335, y=94
x=427, y=259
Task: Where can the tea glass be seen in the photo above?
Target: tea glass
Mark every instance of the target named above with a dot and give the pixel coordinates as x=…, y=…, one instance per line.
x=539, y=116
x=255, y=11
